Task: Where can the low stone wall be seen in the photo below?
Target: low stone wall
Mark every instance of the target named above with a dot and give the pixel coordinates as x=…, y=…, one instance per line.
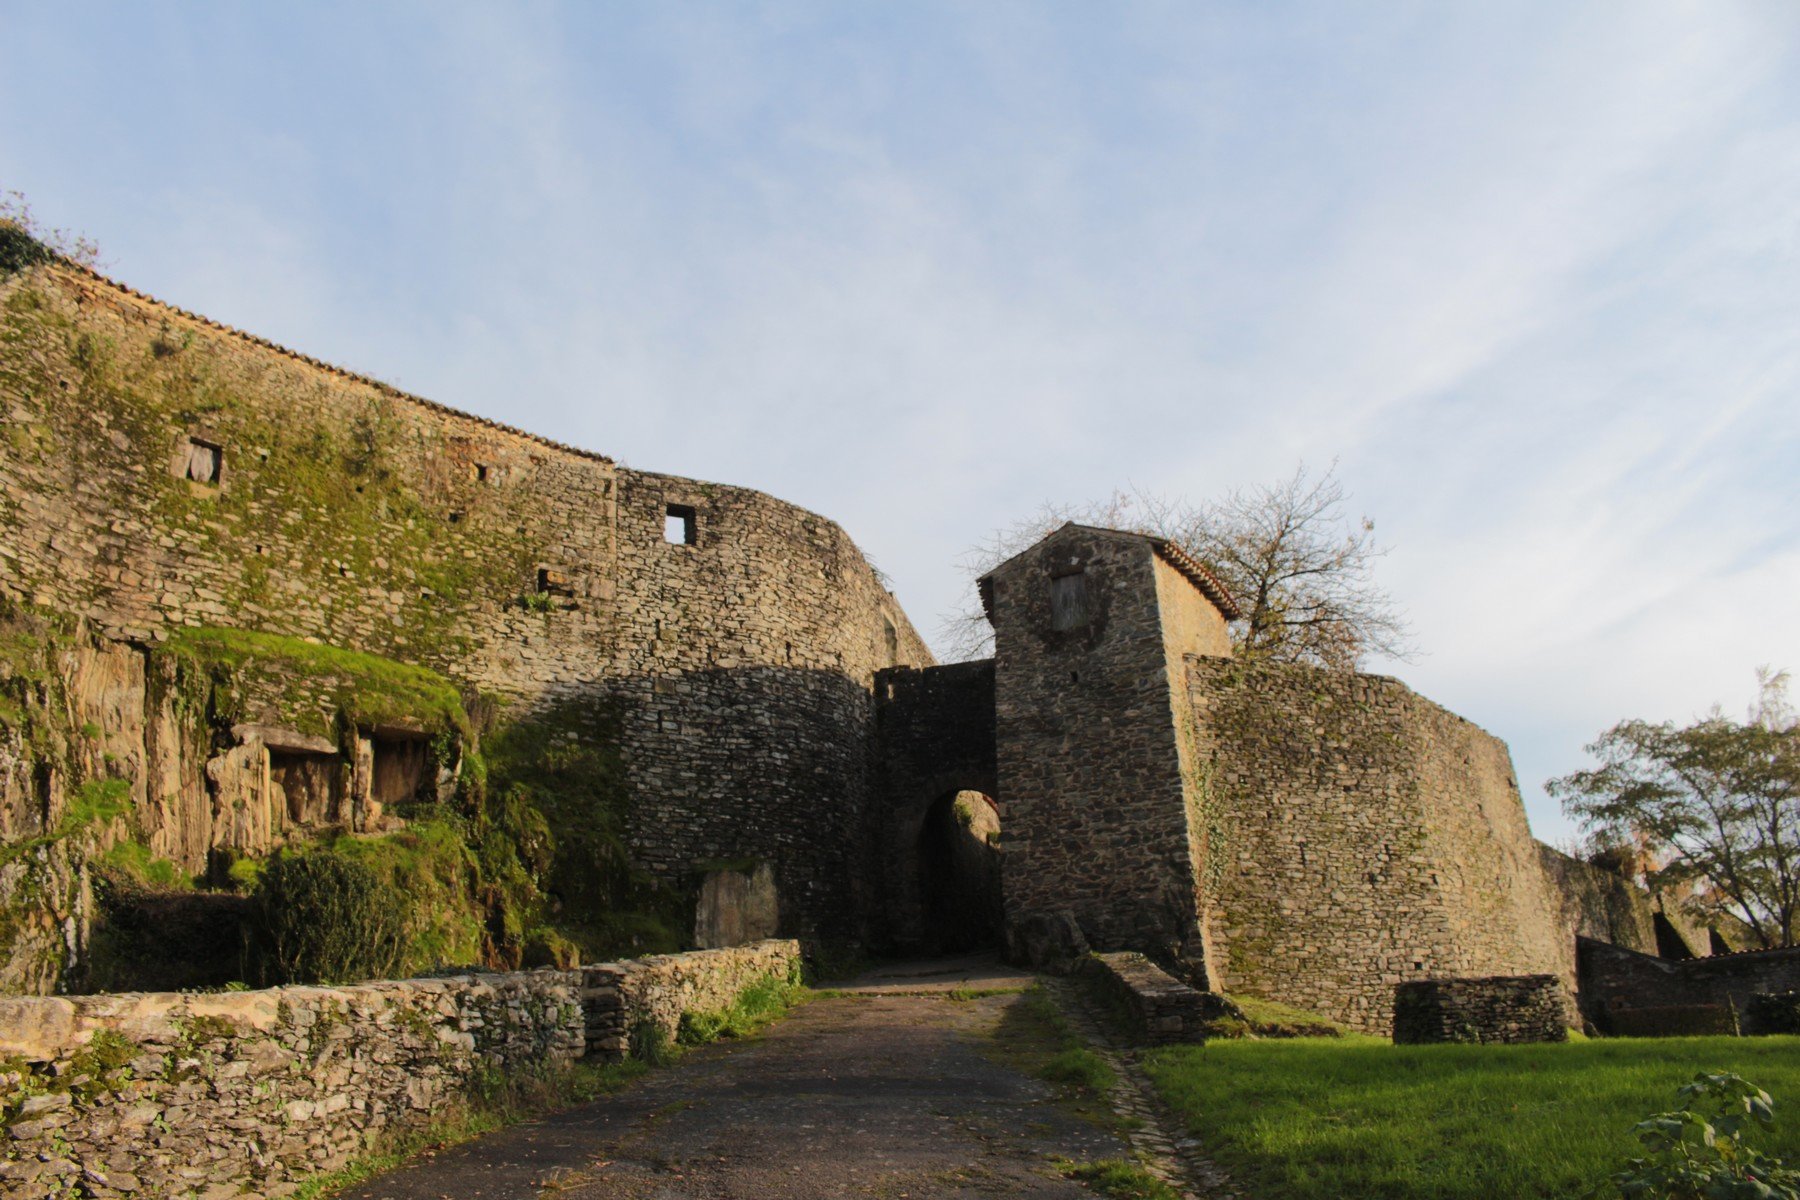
x=1162, y=1008
x=1615, y=981
x=1497, y=1008
x=624, y=998
x=165, y=1095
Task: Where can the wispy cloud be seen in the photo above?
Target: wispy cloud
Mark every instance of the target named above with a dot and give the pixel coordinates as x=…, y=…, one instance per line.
x=1531, y=273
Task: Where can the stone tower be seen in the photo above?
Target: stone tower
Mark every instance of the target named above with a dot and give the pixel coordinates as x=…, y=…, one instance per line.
x=1095, y=742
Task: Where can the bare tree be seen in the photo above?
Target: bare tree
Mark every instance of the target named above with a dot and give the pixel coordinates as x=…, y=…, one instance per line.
x=1299, y=567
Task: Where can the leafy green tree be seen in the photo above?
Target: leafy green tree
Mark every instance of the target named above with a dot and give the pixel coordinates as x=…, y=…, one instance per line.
x=1716, y=801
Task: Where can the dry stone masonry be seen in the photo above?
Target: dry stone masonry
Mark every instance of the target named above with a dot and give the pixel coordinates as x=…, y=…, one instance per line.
x=623, y=999
x=1162, y=1009
x=1499, y=1008
x=174, y=1095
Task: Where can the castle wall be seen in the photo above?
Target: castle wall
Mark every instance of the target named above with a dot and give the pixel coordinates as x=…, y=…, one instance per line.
x=1596, y=903
x=349, y=513
x=1094, y=821
x=1370, y=837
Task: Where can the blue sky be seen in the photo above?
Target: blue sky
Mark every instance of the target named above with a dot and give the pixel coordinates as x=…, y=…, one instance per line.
x=1529, y=271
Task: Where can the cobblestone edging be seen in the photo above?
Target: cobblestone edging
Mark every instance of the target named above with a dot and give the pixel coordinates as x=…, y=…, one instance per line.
x=1167, y=1151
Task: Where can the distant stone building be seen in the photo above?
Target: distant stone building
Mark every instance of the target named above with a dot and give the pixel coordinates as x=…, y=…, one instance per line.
x=190, y=517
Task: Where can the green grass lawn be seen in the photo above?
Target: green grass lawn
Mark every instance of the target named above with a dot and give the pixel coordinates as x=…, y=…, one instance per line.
x=1330, y=1119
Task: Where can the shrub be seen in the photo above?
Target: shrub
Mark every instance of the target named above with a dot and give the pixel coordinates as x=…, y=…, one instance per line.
x=1772, y=1012
x=1698, y=1152
x=321, y=917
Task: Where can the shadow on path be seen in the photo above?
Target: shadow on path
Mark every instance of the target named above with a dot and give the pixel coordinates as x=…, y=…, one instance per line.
x=871, y=1094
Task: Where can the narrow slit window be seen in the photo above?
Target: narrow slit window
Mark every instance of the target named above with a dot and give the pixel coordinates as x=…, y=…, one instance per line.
x=890, y=638
x=204, y=461
x=1069, y=601
x=680, y=527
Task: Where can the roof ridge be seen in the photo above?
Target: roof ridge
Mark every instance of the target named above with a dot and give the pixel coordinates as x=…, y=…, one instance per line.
x=389, y=389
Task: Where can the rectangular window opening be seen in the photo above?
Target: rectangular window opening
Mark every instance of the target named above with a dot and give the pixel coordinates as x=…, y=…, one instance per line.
x=1069, y=601
x=890, y=638
x=680, y=526
x=204, y=461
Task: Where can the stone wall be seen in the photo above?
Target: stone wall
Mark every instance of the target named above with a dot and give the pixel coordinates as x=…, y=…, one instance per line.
x=1095, y=822
x=1501, y=1008
x=164, y=1095
x=1367, y=837
x=1593, y=902
x=1161, y=1008
x=734, y=668
x=623, y=998
x=175, y=1095
x=1616, y=982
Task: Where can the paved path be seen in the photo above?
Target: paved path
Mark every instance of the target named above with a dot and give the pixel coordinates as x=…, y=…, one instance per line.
x=886, y=1093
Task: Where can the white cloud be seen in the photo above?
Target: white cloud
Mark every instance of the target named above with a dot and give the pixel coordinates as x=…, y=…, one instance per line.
x=1530, y=272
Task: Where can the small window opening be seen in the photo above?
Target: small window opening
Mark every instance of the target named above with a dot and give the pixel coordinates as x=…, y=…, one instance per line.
x=481, y=472
x=1069, y=601
x=680, y=525
x=551, y=582
x=204, y=461
x=890, y=638
x=456, y=516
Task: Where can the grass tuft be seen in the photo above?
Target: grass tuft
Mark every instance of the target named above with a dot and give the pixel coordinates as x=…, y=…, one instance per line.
x=755, y=1007
x=1079, y=1067
x=1120, y=1180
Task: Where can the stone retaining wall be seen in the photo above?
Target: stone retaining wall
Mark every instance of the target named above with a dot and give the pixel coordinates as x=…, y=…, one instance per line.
x=176, y=1095
x=1162, y=1008
x=1498, y=1008
x=624, y=997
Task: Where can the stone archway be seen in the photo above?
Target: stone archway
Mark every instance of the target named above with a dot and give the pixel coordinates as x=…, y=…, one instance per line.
x=960, y=900
x=935, y=740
